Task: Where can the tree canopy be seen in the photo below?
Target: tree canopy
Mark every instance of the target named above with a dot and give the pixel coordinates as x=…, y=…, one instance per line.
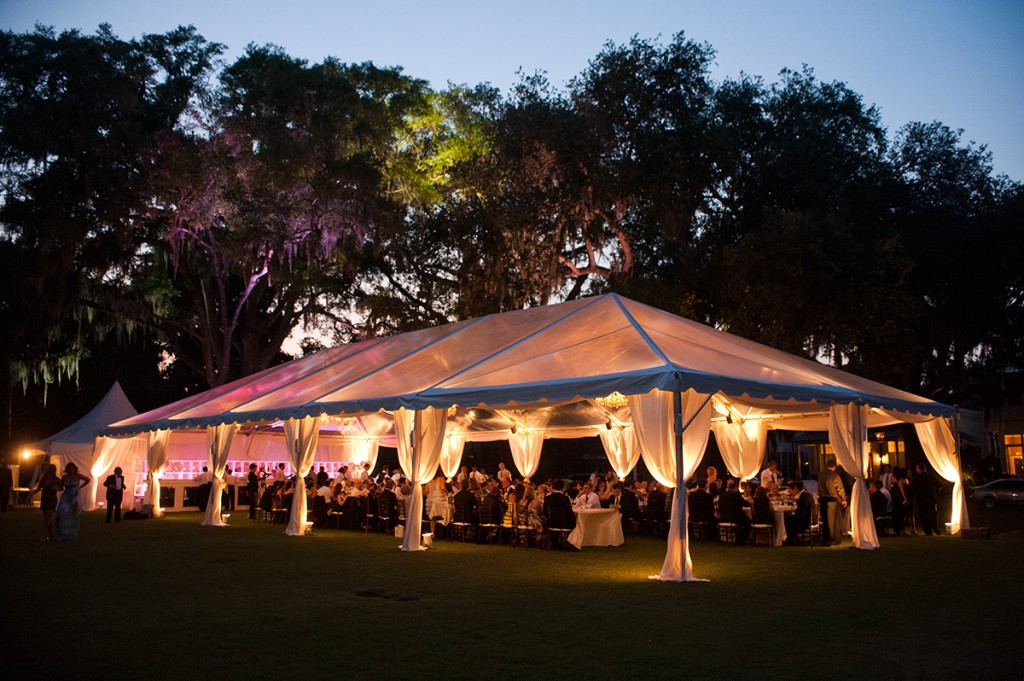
x=200, y=212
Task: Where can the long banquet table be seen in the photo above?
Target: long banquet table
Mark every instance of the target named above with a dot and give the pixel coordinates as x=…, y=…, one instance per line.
x=597, y=527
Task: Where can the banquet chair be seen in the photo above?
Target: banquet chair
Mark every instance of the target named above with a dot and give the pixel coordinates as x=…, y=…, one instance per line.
x=488, y=527
x=560, y=528
x=813, y=534
x=523, y=531
x=702, y=531
x=727, y=532
x=371, y=512
x=762, y=533
x=383, y=517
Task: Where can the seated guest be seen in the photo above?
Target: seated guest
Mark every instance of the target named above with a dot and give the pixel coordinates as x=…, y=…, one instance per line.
x=701, y=506
x=492, y=508
x=657, y=509
x=762, y=508
x=730, y=510
x=269, y=497
x=798, y=521
x=888, y=497
x=604, y=493
x=558, y=507
x=587, y=499
x=715, y=487
x=627, y=503
x=467, y=505
x=640, y=489
x=573, y=491
x=320, y=506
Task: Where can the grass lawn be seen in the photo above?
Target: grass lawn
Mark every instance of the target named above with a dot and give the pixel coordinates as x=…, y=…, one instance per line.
x=169, y=599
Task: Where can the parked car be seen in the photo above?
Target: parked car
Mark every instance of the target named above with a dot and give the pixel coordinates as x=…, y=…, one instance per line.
x=1005, y=491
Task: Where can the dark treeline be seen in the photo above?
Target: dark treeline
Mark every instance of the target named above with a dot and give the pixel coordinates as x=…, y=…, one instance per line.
x=169, y=219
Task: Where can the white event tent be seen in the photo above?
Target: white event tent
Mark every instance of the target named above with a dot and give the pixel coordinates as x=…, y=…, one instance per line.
x=647, y=382
x=94, y=456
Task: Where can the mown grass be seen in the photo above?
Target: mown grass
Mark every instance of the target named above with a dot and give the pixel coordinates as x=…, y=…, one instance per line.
x=169, y=599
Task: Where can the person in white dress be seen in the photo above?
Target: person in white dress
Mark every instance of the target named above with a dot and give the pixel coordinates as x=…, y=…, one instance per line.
x=437, y=502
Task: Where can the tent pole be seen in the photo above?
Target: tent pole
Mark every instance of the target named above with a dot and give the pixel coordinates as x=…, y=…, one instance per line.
x=677, y=412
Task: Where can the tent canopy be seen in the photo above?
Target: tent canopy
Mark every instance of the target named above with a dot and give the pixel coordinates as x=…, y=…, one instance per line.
x=545, y=357
x=113, y=407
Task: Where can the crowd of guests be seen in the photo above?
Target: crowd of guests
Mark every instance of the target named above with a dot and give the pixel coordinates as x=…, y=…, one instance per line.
x=743, y=504
x=905, y=502
x=475, y=497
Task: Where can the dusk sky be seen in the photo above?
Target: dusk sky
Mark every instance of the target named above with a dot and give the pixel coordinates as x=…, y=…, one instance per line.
x=958, y=62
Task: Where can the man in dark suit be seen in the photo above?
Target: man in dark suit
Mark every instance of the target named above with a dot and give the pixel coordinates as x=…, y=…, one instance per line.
x=558, y=512
x=252, y=486
x=832, y=498
x=800, y=519
x=467, y=506
x=923, y=489
x=387, y=503
x=629, y=506
x=730, y=509
x=558, y=507
x=115, y=494
x=657, y=510
x=701, y=507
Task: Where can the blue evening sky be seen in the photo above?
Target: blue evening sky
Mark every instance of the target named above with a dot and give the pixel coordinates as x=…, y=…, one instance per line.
x=957, y=61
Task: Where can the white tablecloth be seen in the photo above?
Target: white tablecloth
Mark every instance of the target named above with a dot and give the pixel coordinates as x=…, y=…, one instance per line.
x=597, y=527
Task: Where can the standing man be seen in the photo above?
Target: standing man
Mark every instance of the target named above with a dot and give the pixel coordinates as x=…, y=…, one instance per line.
x=886, y=479
x=229, y=490
x=922, y=491
x=832, y=499
x=252, y=486
x=115, y=494
x=504, y=474
x=770, y=477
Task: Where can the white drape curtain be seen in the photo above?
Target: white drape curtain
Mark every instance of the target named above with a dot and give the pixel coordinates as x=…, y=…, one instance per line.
x=156, y=461
x=939, y=446
x=654, y=417
x=451, y=453
x=848, y=435
x=420, y=437
x=300, y=436
x=365, y=451
x=622, y=448
x=742, y=445
x=218, y=445
x=103, y=454
x=526, y=445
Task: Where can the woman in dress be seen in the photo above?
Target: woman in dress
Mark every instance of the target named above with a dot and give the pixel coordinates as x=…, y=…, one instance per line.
x=69, y=508
x=48, y=485
x=762, y=508
x=437, y=501
x=533, y=507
